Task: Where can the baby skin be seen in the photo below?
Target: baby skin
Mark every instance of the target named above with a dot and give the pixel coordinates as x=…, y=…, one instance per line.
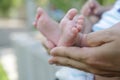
x=64, y=34
x=70, y=28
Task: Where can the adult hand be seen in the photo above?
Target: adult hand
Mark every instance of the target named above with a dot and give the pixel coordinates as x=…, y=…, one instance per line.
x=101, y=58
x=92, y=7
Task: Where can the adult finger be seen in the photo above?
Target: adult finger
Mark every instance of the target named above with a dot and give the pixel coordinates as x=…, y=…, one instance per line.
x=98, y=38
x=101, y=37
x=88, y=55
x=95, y=63
x=86, y=10
x=63, y=61
x=81, y=54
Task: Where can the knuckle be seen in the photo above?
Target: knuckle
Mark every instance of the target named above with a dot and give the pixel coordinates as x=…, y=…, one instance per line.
x=68, y=63
x=57, y=60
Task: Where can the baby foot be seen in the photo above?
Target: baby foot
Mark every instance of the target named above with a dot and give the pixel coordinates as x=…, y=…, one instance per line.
x=47, y=26
x=70, y=28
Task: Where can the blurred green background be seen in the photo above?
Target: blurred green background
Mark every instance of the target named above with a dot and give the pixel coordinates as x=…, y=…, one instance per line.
x=9, y=6
x=3, y=75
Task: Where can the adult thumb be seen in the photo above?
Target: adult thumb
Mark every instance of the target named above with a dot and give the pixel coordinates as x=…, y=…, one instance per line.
x=98, y=38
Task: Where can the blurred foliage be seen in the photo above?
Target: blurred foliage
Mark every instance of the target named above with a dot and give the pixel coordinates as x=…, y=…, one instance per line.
x=106, y=2
x=7, y=5
x=42, y=3
x=3, y=75
x=65, y=5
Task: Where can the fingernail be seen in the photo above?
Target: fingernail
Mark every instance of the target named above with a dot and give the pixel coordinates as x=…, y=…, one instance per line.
x=51, y=62
x=52, y=52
